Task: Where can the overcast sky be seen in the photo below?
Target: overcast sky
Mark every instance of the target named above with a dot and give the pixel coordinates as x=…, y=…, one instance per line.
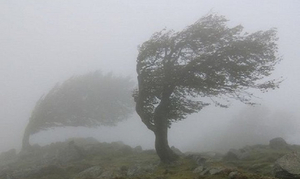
x=45, y=42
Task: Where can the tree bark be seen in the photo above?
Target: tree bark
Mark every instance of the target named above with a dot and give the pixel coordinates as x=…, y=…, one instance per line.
x=25, y=142
x=162, y=147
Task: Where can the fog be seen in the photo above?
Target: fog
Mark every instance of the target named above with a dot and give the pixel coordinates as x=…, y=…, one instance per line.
x=45, y=42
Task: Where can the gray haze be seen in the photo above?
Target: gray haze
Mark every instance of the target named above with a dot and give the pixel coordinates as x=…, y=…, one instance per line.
x=45, y=42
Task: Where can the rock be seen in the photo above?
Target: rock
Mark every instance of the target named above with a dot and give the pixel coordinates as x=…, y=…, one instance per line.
x=34, y=152
x=50, y=170
x=213, y=155
x=70, y=153
x=278, y=143
x=134, y=171
x=198, y=158
x=138, y=149
x=139, y=170
x=215, y=171
x=198, y=169
x=205, y=172
x=247, y=148
x=234, y=154
x=109, y=174
x=37, y=172
x=232, y=175
x=117, y=144
x=176, y=151
x=5, y=172
x=97, y=149
x=288, y=166
x=92, y=172
x=82, y=142
x=244, y=155
x=25, y=172
x=126, y=150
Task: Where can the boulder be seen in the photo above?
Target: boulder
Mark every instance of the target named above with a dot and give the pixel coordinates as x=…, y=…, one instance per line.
x=92, y=172
x=278, y=143
x=25, y=172
x=198, y=158
x=234, y=154
x=109, y=174
x=288, y=166
x=126, y=150
x=138, y=149
x=140, y=170
x=51, y=170
x=134, y=171
x=82, y=142
x=232, y=175
x=176, y=150
x=71, y=153
x=198, y=169
x=205, y=172
x=117, y=145
x=215, y=171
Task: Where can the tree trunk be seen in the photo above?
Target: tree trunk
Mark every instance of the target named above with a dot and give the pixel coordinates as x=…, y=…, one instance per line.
x=25, y=142
x=163, y=150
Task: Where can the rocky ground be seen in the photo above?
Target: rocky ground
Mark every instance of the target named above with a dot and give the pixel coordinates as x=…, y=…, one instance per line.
x=90, y=159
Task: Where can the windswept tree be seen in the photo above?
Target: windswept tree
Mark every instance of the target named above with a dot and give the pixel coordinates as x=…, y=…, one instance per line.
x=178, y=72
x=89, y=100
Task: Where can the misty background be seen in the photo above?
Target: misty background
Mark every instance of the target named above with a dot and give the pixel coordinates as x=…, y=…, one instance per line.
x=45, y=42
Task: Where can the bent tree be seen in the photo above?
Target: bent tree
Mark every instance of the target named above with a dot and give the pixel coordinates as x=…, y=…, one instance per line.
x=178, y=71
x=88, y=100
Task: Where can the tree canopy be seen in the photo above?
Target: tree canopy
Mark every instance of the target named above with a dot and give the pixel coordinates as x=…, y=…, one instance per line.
x=88, y=100
x=208, y=59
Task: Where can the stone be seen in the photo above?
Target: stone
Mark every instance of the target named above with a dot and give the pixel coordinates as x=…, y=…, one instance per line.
x=198, y=169
x=278, y=143
x=288, y=166
x=205, y=172
x=133, y=171
x=176, y=150
x=117, y=145
x=71, y=153
x=198, y=158
x=201, y=161
x=234, y=154
x=215, y=171
x=36, y=172
x=82, y=142
x=126, y=150
x=138, y=149
x=109, y=174
x=48, y=171
x=92, y=172
x=140, y=170
x=25, y=172
x=232, y=175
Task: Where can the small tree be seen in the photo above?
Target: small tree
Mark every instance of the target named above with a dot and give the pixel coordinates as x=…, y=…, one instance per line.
x=206, y=60
x=89, y=100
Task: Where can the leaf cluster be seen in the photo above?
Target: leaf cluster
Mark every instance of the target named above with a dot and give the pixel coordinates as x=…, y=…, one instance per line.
x=88, y=100
x=207, y=59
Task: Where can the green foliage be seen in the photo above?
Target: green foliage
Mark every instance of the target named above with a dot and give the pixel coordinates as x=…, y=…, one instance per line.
x=206, y=60
x=89, y=100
